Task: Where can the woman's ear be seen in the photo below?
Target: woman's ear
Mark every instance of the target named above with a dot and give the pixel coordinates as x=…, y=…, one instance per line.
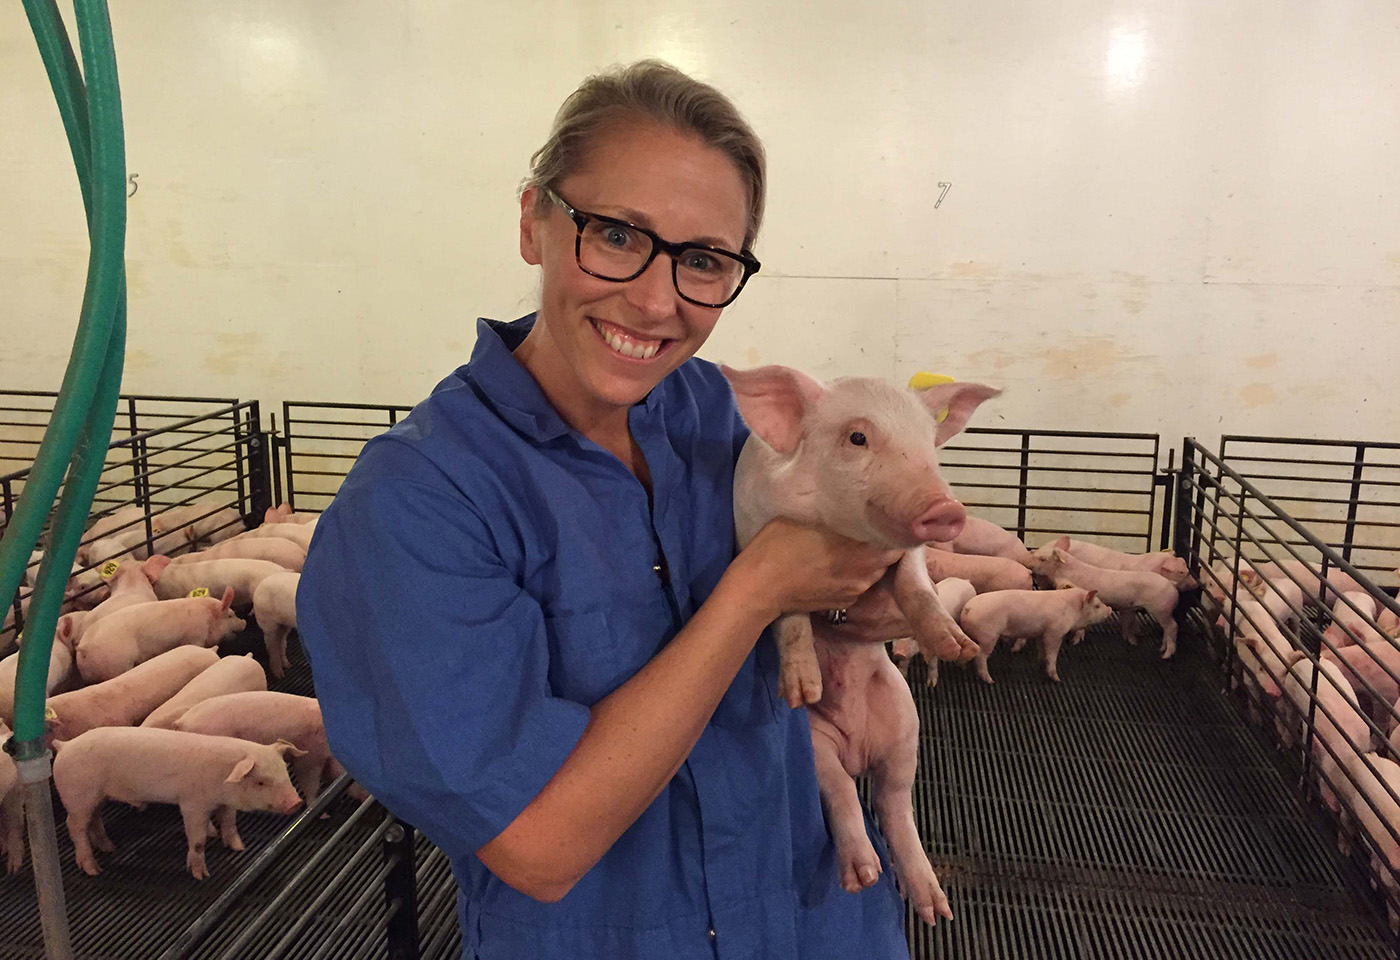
x=531, y=226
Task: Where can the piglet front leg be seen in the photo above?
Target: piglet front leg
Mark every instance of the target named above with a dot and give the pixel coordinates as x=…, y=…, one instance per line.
x=799, y=674
x=938, y=634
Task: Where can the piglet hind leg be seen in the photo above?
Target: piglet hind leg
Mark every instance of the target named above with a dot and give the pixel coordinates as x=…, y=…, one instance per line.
x=937, y=633
x=893, y=781
x=79, y=823
x=857, y=860
x=799, y=674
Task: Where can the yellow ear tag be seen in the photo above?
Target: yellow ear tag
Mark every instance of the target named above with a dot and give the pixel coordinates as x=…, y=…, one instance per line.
x=923, y=380
x=50, y=714
x=199, y=592
x=108, y=569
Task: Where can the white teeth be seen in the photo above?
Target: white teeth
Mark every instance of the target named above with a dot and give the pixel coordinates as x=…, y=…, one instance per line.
x=628, y=347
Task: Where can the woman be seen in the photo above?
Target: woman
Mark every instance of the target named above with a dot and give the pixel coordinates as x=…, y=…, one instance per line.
x=529, y=630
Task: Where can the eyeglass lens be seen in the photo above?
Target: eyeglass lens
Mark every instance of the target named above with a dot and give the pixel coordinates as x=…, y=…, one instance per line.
x=616, y=252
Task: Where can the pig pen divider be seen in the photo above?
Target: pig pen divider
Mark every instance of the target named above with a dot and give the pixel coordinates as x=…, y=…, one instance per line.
x=1084, y=483
x=25, y=413
x=319, y=442
x=202, y=463
x=1334, y=740
x=1345, y=491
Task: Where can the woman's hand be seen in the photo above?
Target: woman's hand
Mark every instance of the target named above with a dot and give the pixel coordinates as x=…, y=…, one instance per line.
x=790, y=567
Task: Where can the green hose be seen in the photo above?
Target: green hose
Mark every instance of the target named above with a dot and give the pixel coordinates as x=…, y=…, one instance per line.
x=80, y=428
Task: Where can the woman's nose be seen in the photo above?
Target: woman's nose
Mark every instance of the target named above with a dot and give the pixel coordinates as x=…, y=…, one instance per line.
x=654, y=292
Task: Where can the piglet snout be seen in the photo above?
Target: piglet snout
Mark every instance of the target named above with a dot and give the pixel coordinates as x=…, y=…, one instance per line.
x=942, y=521
x=290, y=802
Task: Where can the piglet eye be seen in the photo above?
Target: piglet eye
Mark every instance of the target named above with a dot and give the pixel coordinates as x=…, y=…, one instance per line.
x=858, y=438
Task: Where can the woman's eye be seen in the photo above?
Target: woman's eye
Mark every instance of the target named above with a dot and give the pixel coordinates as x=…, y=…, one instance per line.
x=701, y=262
x=617, y=236
x=858, y=438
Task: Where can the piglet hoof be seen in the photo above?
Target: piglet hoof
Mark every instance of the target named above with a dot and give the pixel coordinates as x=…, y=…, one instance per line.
x=800, y=682
x=1053, y=673
x=15, y=863
x=860, y=870
x=104, y=843
x=195, y=861
x=932, y=674
x=928, y=898
x=89, y=866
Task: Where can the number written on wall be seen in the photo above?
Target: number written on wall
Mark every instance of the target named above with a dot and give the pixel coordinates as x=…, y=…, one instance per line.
x=131, y=182
x=944, y=186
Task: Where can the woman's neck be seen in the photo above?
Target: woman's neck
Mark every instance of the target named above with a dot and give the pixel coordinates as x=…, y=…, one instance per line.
x=603, y=423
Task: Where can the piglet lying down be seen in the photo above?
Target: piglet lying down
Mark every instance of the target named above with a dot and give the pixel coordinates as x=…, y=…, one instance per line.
x=859, y=457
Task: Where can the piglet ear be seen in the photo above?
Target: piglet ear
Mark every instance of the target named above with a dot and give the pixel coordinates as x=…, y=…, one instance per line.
x=959, y=399
x=1089, y=597
x=1062, y=543
x=288, y=749
x=227, y=600
x=155, y=566
x=240, y=770
x=773, y=402
x=271, y=515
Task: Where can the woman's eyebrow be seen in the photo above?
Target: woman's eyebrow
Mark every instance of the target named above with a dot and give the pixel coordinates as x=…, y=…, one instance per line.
x=642, y=220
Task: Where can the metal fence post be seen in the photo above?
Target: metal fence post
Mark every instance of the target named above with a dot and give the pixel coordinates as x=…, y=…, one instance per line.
x=291, y=500
x=274, y=456
x=401, y=893
x=9, y=508
x=259, y=487
x=1022, y=494
x=1357, y=469
x=132, y=423
x=1184, y=524
x=1167, y=481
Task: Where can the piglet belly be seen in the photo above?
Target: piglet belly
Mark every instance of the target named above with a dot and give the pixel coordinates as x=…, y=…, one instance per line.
x=866, y=708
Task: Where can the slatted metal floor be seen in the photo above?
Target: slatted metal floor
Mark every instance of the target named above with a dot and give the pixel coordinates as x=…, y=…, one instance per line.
x=1127, y=812
x=144, y=899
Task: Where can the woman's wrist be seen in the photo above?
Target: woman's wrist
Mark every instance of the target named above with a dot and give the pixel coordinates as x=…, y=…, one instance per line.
x=745, y=589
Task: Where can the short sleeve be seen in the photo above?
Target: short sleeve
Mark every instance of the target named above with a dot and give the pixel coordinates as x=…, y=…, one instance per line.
x=430, y=662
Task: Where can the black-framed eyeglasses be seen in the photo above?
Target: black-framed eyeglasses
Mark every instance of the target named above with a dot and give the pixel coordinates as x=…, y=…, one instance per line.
x=613, y=249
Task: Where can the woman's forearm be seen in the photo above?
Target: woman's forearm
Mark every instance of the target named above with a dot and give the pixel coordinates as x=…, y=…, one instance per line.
x=637, y=738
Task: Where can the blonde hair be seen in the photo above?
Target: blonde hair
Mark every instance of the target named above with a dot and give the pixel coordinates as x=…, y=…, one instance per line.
x=651, y=90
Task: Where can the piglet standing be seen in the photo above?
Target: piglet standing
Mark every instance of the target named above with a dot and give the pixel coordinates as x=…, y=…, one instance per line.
x=1047, y=615
x=1123, y=590
x=129, y=698
x=229, y=675
x=138, y=633
x=985, y=539
x=1164, y=563
x=276, y=550
x=266, y=717
x=241, y=576
x=11, y=810
x=206, y=776
x=1367, y=802
x=984, y=573
x=60, y=669
x=275, y=609
x=860, y=458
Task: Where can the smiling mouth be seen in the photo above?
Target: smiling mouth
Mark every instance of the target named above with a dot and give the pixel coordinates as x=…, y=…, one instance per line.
x=628, y=345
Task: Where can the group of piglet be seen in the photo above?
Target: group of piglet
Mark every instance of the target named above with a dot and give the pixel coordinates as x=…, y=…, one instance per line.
x=860, y=457
x=1351, y=691
x=985, y=578
x=142, y=709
